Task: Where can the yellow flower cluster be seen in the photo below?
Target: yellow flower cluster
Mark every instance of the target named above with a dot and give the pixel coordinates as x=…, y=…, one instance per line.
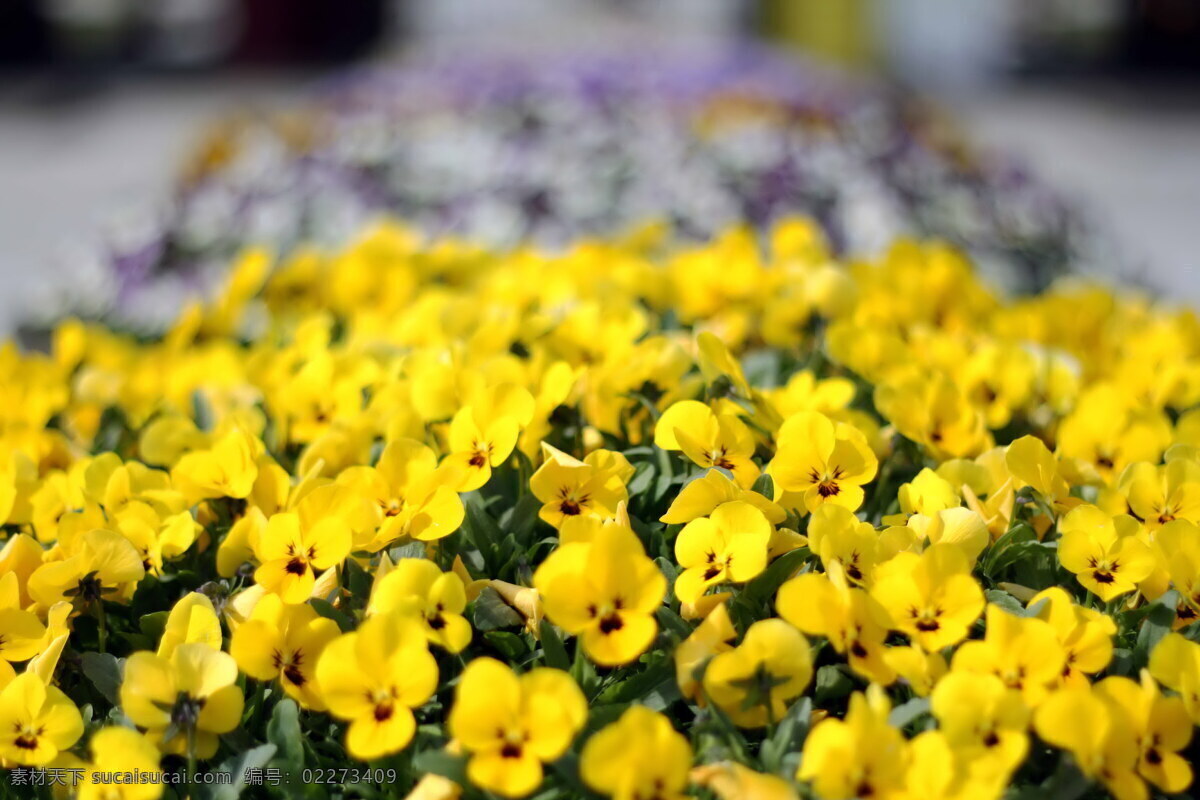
x=634, y=517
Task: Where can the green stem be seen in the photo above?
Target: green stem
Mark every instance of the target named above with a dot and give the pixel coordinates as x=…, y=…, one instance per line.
x=191, y=759
x=101, y=625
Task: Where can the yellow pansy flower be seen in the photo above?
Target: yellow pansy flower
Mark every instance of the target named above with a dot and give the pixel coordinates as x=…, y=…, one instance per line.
x=297, y=543
x=1103, y=551
x=284, y=642
x=415, y=587
x=373, y=678
x=568, y=487
x=709, y=439
x=156, y=538
x=958, y=527
x=20, y=557
x=1175, y=663
x=605, y=590
x=105, y=566
x=853, y=621
x=804, y=391
x=729, y=780
x=755, y=682
x=1023, y=652
x=729, y=545
x=192, y=619
x=193, y=694
x=483, y=435
x=919, y=669
x=836, y=535
x=931, y=597
x=999, y=379
x=1096, y=734
x=1158, y=495
x=22, y=633
x=227, y=469
x=932, y=411
x=983, y=717
x=1085, y=634
x=1160, y=725
x=1032, y=463
x=699, y=497
x=37, y=721
x=639, y=755
x=511, y=725
x=1177, y=552
x=412, y=496
x=927, y=494
x=712, y=636
x=826, y=462
x=120, y=750
x=859, y=756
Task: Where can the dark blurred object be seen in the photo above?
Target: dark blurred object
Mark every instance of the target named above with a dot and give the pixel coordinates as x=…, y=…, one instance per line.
x=94, y=36
x=1163, y=35
x=24, y=33
x=1121, y=36
x=310, y=31
x=1066, y=36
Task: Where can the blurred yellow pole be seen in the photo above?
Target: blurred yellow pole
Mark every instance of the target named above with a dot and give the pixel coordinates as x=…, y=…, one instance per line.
x=833, y=30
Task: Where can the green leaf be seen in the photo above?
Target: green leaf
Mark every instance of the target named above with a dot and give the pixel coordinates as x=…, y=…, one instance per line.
x=642, y=480
x=584, y=671
x=554, y=653
x=1017, y=534
x=668, y=569
x=283, y=731
x=639, y=685
x=491, y=612
x=1067, y=783
x=407, y=550
x=482, y=530
x=1122, y=662
x=663, y=695
x=153, y=625
x=904, y=714
x=765, y=486
x=439, y=762
x=327, y=610
x=237, y=766
x=522, y=518
x=104, y=671
x=356, y=580
x=509, y=645
x=1157, y=624
x=788, y=736
x=832, y=683
x=763, y=587
x=999, y=597
x=202, y=412
x=671, y=621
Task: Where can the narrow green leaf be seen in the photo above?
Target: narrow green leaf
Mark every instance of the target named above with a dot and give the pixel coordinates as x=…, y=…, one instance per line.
x=554, y=652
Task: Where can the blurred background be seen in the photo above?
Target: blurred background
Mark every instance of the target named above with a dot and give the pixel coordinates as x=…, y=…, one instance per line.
x=101, y=101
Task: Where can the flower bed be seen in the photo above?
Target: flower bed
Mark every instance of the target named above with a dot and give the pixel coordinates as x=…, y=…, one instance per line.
x=729, y=515
x=503, y=150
